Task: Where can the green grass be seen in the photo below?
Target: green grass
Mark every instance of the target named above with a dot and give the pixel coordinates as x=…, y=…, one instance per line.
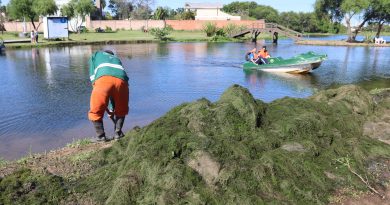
x=126, y=36
x=3, y=162
x=112, y=37
x=9, y=36
x=79, y=143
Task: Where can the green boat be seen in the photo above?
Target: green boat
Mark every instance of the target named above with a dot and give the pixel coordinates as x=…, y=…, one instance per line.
x=302, y=63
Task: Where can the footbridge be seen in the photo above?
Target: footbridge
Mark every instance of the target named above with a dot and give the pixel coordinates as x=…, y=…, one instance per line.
x=272, y=28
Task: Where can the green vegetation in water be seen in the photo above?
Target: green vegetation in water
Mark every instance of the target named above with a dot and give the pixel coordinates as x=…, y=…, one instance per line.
x=238, y=150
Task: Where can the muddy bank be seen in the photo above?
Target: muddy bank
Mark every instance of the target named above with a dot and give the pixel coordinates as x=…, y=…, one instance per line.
x=238, y=150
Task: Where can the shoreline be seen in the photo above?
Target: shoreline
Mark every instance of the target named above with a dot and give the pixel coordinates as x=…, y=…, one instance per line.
x=338, y=43
x=135, y=37
x=141, y=41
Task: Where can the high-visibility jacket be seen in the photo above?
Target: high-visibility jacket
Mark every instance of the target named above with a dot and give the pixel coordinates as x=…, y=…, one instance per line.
x=102, y=64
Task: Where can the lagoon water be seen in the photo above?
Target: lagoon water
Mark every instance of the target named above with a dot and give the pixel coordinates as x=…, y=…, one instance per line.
x=45, y=91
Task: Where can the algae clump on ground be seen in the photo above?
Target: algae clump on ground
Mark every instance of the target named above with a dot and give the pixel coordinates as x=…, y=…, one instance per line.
x=239, y=150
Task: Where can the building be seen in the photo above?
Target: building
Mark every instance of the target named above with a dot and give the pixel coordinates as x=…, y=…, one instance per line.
x=209, y=11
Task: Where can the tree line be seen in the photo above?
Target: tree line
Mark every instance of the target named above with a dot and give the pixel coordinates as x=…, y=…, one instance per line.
x=329, y=16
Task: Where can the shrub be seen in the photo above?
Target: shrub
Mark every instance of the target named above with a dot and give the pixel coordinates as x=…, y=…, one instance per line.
x=108, y=29
x=220, y=32
x=242, y=27
x=230, y=29
x=161, y=33
x=368, y=36
x=210, y=28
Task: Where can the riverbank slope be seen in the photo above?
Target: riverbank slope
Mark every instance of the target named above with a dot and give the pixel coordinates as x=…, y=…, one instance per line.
x=235, y=150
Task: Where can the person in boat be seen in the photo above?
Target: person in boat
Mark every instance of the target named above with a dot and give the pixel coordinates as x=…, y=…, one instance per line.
x=250, y=55
x=110, y=85
x=262, y=55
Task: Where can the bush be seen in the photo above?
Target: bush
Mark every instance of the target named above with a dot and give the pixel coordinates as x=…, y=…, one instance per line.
x=220, y=32
x=230, y=29
x=161, y=33
x=368, y=36
x=82, y=29
x=108, y=29
x=210, y=29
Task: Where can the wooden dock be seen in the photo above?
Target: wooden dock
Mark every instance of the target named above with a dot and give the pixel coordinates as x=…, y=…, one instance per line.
x=272, y=28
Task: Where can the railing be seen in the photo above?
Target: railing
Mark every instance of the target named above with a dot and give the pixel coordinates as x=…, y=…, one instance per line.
x=285, y=29
x=275, y=27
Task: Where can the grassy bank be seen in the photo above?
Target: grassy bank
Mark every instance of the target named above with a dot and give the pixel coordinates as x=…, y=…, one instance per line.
x=338, y=43
x=111, y=37
x=124, y=37
x=237, y=150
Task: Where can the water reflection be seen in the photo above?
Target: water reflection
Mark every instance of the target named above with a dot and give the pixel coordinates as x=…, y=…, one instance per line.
x=45, y=91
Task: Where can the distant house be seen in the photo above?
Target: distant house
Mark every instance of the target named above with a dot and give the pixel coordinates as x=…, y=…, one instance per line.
x=209, y=11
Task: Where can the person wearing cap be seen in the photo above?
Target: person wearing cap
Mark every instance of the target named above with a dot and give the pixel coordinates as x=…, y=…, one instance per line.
x=110, y=86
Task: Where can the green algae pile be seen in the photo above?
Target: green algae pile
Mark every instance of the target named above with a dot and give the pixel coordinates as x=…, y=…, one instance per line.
x=237, y=150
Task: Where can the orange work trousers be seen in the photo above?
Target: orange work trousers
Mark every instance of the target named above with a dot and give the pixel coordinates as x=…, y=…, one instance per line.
x=104, y=88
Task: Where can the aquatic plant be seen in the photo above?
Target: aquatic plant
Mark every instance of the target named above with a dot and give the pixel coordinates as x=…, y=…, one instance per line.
x=237, y=150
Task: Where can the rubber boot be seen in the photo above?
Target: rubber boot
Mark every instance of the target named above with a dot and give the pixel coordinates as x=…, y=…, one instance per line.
x=118, y=127
x=99, y=128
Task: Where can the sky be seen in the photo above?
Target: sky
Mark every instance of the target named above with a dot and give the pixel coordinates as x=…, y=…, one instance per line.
x=280, y=5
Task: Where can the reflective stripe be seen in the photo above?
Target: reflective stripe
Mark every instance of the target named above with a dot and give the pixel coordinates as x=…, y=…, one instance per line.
x=109, y=65
x=120, y=67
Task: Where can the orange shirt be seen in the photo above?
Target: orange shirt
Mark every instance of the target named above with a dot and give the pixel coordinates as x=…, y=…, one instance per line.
x=264, y=54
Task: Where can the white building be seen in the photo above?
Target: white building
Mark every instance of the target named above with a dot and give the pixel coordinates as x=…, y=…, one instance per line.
x=209, y=11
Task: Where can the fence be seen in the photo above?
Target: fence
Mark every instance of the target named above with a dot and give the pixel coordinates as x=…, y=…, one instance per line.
x=187, y=25
x=18, y=26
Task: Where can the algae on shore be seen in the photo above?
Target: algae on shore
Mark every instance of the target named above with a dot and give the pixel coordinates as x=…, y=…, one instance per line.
x=237, y=150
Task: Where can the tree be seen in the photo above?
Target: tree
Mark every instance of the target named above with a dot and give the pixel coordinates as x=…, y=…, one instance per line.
x=160, y=13
x=378, y=12
x=78, y=9
x=291, y=20
x=187, y=15
x=352, y=8
x=344, y=9
x=121, y=9
x=31, y=9
x=142, y=9
x=2, y=10
x=240, y=8
x=265, y=12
